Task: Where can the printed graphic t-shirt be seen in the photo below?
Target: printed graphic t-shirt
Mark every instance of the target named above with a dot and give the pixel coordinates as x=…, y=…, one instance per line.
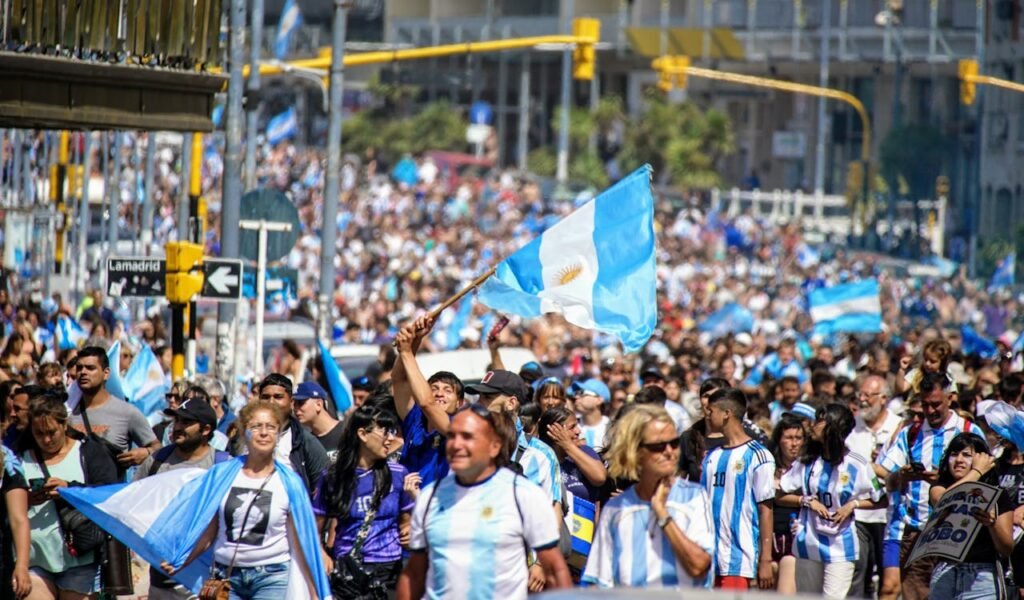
x=263, y=540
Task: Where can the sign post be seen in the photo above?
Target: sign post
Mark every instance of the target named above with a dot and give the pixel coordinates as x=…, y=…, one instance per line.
x=222, y=279
x=262, y=227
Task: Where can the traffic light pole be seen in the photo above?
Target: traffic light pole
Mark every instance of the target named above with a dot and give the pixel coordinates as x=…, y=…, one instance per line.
x=60, y=173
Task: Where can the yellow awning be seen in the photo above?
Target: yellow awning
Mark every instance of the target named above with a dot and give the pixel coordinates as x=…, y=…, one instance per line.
x=646, y=41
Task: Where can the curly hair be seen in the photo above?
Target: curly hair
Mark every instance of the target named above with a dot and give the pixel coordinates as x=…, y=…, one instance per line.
x=249, y=410
x=626, y=436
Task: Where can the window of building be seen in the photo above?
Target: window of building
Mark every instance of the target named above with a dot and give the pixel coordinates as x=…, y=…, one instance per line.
x=1004, y=213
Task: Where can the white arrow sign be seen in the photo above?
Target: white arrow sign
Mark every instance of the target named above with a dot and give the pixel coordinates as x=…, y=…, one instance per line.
x=222, y=279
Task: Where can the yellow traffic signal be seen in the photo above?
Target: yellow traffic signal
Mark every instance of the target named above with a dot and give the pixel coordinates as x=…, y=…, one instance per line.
x=584, y=55
x=182, y=287
x=968, y=88
x=183, y=256
x=671, y=71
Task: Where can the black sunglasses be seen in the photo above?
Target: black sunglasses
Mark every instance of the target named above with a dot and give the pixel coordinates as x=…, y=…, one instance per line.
x=659, y=447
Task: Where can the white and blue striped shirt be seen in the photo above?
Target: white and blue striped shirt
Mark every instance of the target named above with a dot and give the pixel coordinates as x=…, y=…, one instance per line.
x=540, y=465
x=593, y=435
x=926, y=448
x=475, y=536
x=833, y=486
x=737, y=480
x=631, y=550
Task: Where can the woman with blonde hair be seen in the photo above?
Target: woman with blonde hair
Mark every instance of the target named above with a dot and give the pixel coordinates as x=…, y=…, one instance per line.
x=662, y=522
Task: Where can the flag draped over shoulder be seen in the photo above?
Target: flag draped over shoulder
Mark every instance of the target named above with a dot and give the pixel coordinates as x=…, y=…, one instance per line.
x=847, y=308
x=162, y=517
x=596, y=267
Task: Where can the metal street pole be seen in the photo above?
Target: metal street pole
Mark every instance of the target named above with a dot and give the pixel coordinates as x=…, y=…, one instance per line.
x=974, y=179
x=524, y=111
x=150, y=197
x=823, y=65
x=261, y=281
x=183, y=187
x=329, y=233
x=83, y=216
x=115, y=197
x=562, y=174
x=252, y=88
x=231, y=196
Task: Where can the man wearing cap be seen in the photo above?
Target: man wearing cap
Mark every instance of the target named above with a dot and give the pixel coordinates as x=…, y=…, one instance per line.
x=362, y=388
x=296, y=447
x=504, y=391
x=591, y=396
x=194, y=423
x=310, y=406
x=652, y=377
x=530, y=372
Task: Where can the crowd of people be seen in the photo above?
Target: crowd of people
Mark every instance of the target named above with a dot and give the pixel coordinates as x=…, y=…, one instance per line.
x=764, y=456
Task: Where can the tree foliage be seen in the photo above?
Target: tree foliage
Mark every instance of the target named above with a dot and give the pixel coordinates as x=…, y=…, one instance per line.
x=918, y=154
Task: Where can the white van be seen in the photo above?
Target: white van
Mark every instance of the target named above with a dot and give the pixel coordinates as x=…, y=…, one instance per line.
x=471, y=365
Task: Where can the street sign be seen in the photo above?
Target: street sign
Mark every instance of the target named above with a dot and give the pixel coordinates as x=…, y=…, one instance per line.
x=136, y=276
x=222, y=279
x=480, y=113
x=268, y=205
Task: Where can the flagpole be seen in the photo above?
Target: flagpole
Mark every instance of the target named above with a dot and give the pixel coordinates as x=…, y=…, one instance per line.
x=458, y=296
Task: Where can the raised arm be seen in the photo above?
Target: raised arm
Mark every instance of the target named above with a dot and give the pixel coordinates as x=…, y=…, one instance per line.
x=420, y=392
x=409, y=338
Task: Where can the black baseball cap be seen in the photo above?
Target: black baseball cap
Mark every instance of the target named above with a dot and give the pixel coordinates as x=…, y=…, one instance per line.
x=652, y=373
x=500, y=382
x=364, y=383
x=194, y=409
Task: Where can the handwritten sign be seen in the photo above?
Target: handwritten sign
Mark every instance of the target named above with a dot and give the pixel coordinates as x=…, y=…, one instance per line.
x=951, y=530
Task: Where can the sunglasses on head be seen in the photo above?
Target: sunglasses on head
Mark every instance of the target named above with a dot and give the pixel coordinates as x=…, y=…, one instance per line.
x=658, y=447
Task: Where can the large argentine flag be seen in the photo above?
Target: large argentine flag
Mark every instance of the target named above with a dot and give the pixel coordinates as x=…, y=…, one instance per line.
x=69, y=333
x=337, y=384
x=291, y=19
x=847, y=308
x=163, y=516
x=596, y=267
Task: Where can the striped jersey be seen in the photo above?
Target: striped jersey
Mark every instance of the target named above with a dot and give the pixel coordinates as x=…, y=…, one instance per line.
x=926, y=448
x=476, y=536
x=630, y=549
x=737, y=479
x=833, y=486
x=593, y=435
x=540, y=465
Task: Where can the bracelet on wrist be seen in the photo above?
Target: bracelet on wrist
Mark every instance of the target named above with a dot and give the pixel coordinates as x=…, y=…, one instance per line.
x=805, y=501
x=978, y=471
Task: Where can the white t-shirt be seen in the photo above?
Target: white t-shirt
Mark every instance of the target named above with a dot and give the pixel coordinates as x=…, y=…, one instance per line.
x=474, y=536
x=264, y=540
x=863, y=441
x=594, y=435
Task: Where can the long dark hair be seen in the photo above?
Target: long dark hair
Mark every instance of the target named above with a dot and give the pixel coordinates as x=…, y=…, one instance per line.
x=957, y=444
x=786, y=422
x=838, y=424
x=343, y=473
x=557, y=414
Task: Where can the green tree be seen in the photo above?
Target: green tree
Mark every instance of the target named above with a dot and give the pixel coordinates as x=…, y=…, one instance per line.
x=918, y=154
x=438, y=126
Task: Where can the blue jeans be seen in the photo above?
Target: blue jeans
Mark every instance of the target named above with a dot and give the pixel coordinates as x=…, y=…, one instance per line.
x=265, y=582
x=966, y=581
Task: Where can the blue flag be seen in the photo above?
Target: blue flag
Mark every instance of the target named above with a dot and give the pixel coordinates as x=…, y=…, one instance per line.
x=1004, y=274
x=846, y=308
x=337, y=384
x=282, y=127
x=145, y=382
x=596, y=267
x=971, y=342
x=291, y=20
x=731, y=318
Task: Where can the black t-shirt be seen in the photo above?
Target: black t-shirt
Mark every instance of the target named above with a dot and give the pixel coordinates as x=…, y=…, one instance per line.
x=1011, y=480
x=12, y=477
x=330, y=441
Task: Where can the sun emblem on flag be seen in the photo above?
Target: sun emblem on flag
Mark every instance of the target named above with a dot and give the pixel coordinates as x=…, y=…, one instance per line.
x=844, y=479
x=487, y=512
x=568, y=274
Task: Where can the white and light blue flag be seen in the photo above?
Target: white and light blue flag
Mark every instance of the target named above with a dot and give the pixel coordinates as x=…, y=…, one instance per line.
x=596, y=267
x=337, y=384
x=1003, y=276
x=70, y=333
x=162, y=517
x=291, y=20
x=847, y=308
x=282, y=126
x=145, y=382
x=731, y=318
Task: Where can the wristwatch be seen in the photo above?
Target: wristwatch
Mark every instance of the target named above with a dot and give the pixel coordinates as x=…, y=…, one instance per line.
x=664, y=521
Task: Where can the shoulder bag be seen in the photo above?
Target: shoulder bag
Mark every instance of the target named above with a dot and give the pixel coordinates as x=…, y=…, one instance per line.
x=215, y=588
x=349, y=573
x=80, y=535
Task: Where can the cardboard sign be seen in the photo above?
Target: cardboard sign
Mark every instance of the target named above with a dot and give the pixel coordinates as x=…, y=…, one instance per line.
x=951, y=530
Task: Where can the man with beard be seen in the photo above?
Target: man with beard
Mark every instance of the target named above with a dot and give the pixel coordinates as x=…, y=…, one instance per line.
x=111, y=418
x=874, y=427
x=193, y=426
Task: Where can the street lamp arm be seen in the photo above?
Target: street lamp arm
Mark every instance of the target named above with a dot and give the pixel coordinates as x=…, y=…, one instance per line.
x=995, y=82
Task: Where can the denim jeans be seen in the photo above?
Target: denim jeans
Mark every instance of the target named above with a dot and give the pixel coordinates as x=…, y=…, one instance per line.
x=966, y=581
x=264, y=582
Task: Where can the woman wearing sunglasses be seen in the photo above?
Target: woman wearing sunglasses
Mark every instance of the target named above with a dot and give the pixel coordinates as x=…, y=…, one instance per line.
x=662, y=522
x=827, y=484
x=364, y=494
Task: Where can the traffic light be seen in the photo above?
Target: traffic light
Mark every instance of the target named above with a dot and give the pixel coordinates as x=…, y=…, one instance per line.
x=671, y=71
x=184, y=271
x=968, y=88
x=584, y=54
